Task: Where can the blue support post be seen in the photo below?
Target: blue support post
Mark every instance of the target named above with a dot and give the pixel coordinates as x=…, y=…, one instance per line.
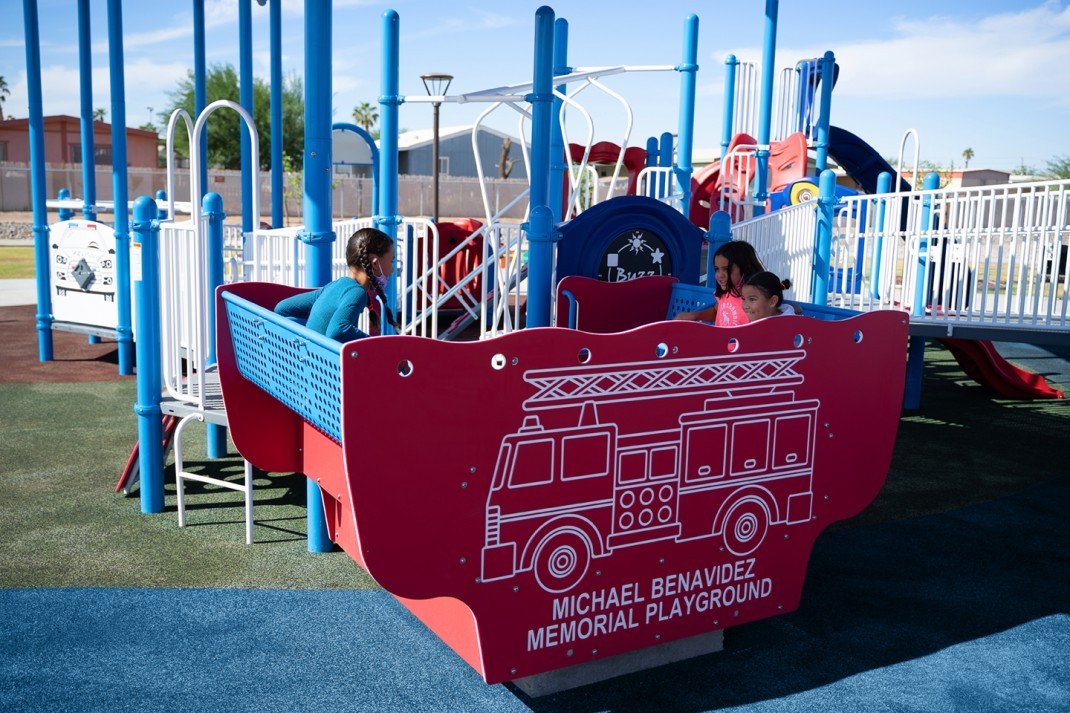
x=540, y=227
x=884, y=186
x=200, y=89
x=85, y=76
x=719, y=234
x=64, y=194
x=245, y=94
x=826, y=208
x=688, y=70
x=389, y=100
x=652, y=154
x=921, y=283
x=317, y=234
x=731, y=63
x=212, y=209
x=665, y=158
x=146, y=234
x=124, y=332
x=277, y=196
x=559, y=157
x=765, y=115
x=161, y=197
x=915, y=372
x=828, y=64
x=36, y=121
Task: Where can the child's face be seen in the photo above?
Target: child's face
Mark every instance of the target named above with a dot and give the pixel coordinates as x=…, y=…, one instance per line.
x=720, y=272
x=756, y=305
x=384, y=264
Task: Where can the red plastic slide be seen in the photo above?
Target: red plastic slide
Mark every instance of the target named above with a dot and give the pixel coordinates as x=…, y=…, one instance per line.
x=983, y=364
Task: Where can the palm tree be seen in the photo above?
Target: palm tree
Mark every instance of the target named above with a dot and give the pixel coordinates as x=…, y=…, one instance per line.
x=98, y=114
x=366, y=115
x=967, y=154
x=4, y=94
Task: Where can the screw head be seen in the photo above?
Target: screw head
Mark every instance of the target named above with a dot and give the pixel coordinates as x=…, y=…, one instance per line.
x=353, y=354
x=464, y=484
x=464, y=560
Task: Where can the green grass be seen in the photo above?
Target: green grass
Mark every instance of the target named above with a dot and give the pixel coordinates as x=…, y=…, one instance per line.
x=62, y=447
x=16, y=263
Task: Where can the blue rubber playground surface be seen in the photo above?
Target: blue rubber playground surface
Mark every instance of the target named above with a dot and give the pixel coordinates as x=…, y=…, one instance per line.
x=966, y=610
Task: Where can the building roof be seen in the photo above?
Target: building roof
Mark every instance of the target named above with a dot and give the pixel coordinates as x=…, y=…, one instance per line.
x=423, y=137
x=99, y=126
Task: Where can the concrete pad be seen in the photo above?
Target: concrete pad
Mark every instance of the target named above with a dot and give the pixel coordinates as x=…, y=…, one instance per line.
x=18, y=292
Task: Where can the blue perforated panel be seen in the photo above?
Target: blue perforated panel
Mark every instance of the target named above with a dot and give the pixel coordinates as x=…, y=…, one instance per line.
x=689, y=298
x=297, y=366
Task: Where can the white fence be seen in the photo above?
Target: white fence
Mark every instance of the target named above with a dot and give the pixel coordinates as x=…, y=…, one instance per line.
x=992, y=256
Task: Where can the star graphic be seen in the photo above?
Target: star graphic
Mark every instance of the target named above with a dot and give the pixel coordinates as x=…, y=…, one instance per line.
x=657, y=255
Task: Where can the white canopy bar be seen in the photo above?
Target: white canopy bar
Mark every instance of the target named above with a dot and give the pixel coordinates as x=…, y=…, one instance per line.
x=516, y=92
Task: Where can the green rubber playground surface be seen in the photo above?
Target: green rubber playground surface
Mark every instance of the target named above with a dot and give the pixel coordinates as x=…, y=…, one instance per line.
x=63, y=446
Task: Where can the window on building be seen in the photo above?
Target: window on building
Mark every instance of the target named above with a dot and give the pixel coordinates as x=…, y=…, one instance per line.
x=444, y=165
x=3, y=151
x=101, y=154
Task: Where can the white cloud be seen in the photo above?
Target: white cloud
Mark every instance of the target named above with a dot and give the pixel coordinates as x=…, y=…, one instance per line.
x=1023, y=53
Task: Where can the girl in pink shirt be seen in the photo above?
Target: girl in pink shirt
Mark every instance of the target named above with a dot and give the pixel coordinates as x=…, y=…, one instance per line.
x=733, y=263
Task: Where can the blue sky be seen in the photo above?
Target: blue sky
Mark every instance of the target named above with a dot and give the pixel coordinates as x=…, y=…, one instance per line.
x=986, y=74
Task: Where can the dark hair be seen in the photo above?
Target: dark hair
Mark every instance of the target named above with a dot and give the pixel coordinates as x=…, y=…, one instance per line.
x=742, y=255
x=362, y=245
x=769, y=285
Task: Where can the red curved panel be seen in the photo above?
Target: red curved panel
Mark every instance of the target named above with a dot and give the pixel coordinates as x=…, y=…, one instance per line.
x=606, y=153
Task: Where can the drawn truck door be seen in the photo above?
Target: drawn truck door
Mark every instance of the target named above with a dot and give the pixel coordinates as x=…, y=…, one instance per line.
x=747, y=467
x=550, y=501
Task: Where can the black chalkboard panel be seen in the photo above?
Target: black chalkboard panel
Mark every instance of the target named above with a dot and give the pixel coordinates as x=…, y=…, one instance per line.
x=634, y=253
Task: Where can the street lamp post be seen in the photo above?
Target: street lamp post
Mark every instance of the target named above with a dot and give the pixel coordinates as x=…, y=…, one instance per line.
x=436, y=85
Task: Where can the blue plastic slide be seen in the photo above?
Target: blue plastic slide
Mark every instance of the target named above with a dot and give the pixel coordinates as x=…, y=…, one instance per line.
x=860, y=160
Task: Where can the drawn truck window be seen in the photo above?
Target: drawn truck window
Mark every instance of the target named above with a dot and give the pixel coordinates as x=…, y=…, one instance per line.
x=562, y=497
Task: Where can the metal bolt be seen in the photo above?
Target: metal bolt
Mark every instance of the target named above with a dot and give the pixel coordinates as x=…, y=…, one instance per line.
x=598, y=573
x=594, y=652
x=785, y=535
x=515, y=361
x=353, y=354
x=568, y=653
x=661, y=560
x=826, y=424
x=722, y=549
x=516, y=589
x=478, y=580
x=735, y=613
x=779, y=606
x=464, y=560
x=826, y=497
x=472, y=469
x=831, y=435
x=657, y=636
x=313, y=153
x=716, y=623
x=512, y=671
x=464, y=484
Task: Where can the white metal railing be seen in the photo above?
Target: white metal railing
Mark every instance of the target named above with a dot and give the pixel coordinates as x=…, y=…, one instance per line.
x=659, y=182
x=738, y=170
x=419, y=277
x=183, y=309
x=990, y=255
x=746, y=105
x=784, y=241
x=786, y=104
x=504, y=281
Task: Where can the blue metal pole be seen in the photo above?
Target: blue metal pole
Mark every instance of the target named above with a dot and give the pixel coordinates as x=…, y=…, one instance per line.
x=245, y=94
x=373, y=149
x=826, y=207
x=884, y=186
x=212, y=209
x=719, y=234
x=161, y=197
x=765, y=116
x=921, y=284
x=915, y=372
x=652, y=153
x=123, y=331
x=200, y=90
x=277, y=197
x=688, y=70
x=731, y=63
x=317, y=234
x=85, y=70
x=64, y=194
x=828, y=65
x=37, y=180
x=146, y=234
x=665, y=158
x=540, y=230
x=559, y=157
x=389, y=100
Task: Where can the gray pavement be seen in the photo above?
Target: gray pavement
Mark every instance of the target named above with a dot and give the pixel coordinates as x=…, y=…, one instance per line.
x=18, y=292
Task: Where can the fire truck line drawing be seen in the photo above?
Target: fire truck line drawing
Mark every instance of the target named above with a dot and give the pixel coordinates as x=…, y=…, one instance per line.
x=562, y=497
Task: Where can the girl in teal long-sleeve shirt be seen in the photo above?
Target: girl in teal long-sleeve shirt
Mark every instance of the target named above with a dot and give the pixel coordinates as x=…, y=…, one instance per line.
x=333, y=310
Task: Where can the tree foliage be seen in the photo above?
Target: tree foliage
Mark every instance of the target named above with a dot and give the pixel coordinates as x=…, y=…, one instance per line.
x=4, y=94
x=225, y=126
x=1058, y=167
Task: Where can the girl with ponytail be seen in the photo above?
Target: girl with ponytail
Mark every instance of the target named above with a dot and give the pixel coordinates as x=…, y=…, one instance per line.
x=763, y=296
x=333, y=310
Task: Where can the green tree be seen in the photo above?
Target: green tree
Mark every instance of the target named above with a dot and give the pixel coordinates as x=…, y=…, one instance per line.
x=225, y=127
x=99, y=114
x=4, y=94
x=1022, y=170
x=1058, y=167
x=366, y=114
x=967, y=155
